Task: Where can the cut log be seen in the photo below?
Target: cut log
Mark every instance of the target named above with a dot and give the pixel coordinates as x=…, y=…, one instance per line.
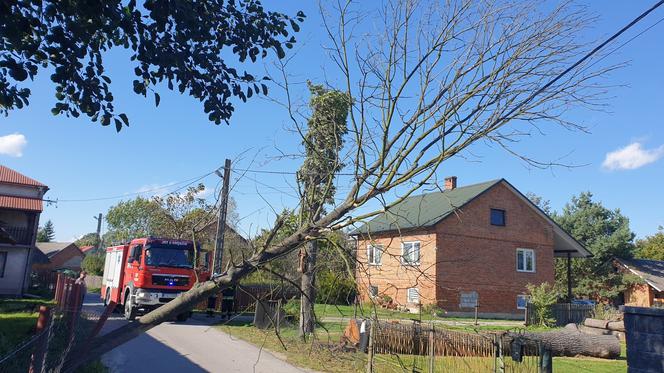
x=352, y=332
x=596, y=323
x=570, y=341
x=605, y=324
x=618, y=326
x=598, y=331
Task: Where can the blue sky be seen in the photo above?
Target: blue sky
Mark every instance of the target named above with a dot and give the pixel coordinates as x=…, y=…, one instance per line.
x=79, y=159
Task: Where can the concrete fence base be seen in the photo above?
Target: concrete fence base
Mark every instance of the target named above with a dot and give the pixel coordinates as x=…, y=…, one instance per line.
x=645, y=339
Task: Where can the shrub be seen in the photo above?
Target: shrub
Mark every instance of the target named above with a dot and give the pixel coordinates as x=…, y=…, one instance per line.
x=93, y=264
x=335, y=289
x=433, y=309
x=292, y=309
x=606, y=312
x=542, y=297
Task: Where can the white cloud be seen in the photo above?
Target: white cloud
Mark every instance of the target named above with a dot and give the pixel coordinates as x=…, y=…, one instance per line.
x=12, y=145
x=632, y=157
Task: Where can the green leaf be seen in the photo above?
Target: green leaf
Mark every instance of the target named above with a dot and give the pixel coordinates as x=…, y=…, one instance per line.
x=157, y=99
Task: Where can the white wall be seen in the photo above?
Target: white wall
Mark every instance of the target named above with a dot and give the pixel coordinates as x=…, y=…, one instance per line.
x=11, y=282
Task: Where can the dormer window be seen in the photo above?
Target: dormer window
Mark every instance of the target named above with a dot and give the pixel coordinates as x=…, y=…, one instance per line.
x=498, y=217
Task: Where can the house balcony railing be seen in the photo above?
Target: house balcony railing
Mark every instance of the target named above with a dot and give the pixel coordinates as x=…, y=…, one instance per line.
x=21, y=235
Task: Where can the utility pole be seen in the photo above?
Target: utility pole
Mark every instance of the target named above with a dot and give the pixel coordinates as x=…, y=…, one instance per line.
x=98, y=231
x=221, y=218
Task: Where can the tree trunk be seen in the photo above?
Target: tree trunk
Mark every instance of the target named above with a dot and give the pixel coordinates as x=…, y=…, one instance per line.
x=308, y=297
x=570, y=341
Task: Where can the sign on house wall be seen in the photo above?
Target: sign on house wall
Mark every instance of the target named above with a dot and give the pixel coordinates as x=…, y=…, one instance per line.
x=468, y=299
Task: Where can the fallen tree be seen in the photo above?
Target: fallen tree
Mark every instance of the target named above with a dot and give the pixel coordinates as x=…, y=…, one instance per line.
x=570, y=341
x=434, y=81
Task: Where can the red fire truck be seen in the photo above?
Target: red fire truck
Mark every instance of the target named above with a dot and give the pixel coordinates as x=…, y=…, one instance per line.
x=147, y=273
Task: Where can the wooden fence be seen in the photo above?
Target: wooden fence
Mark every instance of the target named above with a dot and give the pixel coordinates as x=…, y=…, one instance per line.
x=417, y=347
x=564, y=313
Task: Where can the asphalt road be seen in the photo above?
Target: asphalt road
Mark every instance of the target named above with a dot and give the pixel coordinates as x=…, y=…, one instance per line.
x=192, y=346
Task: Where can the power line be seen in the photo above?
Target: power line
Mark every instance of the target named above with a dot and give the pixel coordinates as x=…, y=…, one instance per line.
x=625, y=43
x=187, y=181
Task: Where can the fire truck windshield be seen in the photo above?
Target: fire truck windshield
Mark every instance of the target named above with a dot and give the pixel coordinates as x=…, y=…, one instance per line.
x=169, y=257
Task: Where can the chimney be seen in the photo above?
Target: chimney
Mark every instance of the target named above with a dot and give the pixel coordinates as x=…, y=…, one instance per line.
x=450, y=182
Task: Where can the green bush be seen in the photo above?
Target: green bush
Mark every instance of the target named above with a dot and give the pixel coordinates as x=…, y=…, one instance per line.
x=542, y=297
x=335, y=289
x=93, y=264
x=433, y=309
x=292, y=309
x=606, y=312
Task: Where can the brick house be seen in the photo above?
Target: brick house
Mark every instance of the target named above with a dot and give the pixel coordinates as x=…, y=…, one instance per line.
x=478, y=245
x=20, y=207
x=54, y=256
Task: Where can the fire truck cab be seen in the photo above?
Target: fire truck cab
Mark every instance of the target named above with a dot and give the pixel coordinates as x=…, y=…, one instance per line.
x=147, y=273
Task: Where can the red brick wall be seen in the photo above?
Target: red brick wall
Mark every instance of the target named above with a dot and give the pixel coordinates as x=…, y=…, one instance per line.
x=393, y=278
x=474, y=255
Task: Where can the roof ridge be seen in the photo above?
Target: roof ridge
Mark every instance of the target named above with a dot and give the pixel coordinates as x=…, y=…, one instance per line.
x=494, y=181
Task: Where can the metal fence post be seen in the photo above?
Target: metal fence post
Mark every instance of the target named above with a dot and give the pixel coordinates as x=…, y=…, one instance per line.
x=370, y=352
x=432, y=355
x=546, y=359
x=500, y=364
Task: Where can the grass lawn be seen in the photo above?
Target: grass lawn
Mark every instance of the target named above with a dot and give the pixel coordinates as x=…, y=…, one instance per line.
x=18, y=318
x=319, y=357
x=330, y=310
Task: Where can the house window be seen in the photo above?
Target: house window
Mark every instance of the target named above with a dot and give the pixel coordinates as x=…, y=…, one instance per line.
x=410, y=253
x=413, y=295
x=525, y=260
x=498, y=217
x=3, y=262
x=374, y=254
x=373, y=291
x=522, y=301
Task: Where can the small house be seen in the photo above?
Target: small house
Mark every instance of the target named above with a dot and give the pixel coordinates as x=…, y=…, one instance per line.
x=55, y=256
x=648, y=293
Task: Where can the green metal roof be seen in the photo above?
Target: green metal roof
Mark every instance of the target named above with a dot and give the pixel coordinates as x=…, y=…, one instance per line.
x=424, y=210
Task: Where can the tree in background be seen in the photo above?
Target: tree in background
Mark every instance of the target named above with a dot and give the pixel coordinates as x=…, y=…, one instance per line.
x=93, y=264
x=323, y=141
x=46, y=233
x=606, y=234
x=543, y=204
x=651, y=247
x=129, y=219
x=88, y=239
x=182, y=45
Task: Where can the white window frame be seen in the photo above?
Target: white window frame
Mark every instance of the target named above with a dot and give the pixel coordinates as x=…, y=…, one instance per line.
x=371, y=287
x=371, y=259
x=525, y=266
x=526, y=297
x=403, y=251
x=409, y=297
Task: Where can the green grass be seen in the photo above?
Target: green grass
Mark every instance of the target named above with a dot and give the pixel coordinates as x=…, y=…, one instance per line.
x=15, y=327
x=18, y=318
x=318, y=356
x=330, y=310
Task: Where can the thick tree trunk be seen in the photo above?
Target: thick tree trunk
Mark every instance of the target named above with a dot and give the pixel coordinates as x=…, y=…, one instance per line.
x=570, y=341
x=308, y=297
